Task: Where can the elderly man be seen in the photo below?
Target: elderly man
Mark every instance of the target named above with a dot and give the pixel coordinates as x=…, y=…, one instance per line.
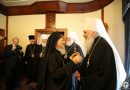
x=102, y=68
x=72, y=47
x=13, y=54
x=57, y=71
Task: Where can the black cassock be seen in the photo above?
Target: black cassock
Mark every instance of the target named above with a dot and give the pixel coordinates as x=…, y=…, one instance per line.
x=101, y=71
x=32, y=62
x=58, y=72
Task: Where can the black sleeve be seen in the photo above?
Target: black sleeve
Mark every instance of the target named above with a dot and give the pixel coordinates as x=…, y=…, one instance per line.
x=19, y=50
x=106, y=68
x=105, y=73
x=27, y=53
x=37, y=51
x=8, y=51
x=80, y=51
x=58, y=70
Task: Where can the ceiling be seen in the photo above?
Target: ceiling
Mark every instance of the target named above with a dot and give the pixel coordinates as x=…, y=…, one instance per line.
x=29, y=2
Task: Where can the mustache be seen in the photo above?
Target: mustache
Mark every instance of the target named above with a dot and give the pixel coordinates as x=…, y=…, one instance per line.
x=62, y=50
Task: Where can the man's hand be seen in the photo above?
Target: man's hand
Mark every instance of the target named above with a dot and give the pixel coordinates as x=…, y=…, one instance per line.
x=77, y=75
x=32, y=55
x=13, y=48
x=76, y=57
x=40, y=55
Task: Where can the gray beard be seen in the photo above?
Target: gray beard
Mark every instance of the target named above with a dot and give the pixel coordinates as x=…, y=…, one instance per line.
x=88, y=44
x=62, y=50
x=43, y=44
x=69, y=43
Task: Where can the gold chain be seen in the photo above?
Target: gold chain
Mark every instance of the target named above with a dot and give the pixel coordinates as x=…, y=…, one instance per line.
x=74, y=45
x=92, y=51
x=32, y=49
x=71, y=48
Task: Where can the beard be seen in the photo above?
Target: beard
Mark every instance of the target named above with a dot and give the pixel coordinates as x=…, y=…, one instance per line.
x=69, y=43
x=43, y=44
x=88, y=44
x=62, y=50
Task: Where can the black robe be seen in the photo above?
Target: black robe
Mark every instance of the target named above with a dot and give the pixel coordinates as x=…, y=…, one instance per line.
x=70, y=50
x=101, y=72
x=59, y=72
x=32, y=62
x=74, y=48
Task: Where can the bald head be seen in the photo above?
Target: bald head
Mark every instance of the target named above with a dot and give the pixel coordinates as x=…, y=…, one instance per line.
x=15, y=41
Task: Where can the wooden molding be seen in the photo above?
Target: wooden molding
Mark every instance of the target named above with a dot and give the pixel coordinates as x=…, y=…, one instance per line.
x=54, y=7
x=7, y=22
x=2, y=45
x=3, y=9
x=49, y=31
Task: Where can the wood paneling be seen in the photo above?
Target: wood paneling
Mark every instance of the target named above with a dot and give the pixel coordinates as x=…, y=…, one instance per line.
x=49, y=31
x=57, y=7
x=37, y=8
x=3, y=9
x=2, y=44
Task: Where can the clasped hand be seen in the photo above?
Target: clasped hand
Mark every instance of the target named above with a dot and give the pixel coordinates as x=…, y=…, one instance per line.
x=13, y=48
x=76, y=57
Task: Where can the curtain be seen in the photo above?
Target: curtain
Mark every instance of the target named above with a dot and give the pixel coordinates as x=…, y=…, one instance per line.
x=126, y=19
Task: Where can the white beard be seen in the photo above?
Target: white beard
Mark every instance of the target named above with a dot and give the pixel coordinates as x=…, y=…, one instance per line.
x=69, y=43
x=62, y=50
x=88, y=44
x=43, y=44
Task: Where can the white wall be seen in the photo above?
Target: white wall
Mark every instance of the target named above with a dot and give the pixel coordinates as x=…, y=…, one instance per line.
x=75, y=23
x=22, y=26
x=116, y=25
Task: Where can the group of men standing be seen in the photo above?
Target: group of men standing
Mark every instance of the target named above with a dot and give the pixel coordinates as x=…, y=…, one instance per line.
x=17, y=66
x=100, y=69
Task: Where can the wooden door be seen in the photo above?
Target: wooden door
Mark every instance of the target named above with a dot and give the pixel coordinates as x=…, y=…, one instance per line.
x=2, y=44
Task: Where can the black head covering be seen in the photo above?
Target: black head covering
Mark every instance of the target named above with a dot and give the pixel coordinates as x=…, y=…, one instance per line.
x=31, y=37
x=50, y=46
x=51, y=42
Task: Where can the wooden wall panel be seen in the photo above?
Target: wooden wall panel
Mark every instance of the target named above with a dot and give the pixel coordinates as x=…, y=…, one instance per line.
x=55, y=7
x=3, y=9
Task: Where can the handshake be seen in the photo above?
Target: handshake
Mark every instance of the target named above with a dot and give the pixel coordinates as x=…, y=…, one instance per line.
x=76, y=57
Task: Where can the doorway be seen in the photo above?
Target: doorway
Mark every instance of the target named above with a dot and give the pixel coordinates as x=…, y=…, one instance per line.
x=2, y=45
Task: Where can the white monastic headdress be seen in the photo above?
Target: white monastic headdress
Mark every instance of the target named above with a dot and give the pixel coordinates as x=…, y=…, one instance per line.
x=95, y=24
x=73, y=35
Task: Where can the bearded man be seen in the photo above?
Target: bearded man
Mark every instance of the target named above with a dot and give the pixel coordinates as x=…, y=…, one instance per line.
x=100, y=69
x=71, y=47
x=57, y=70
x=32, y=57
